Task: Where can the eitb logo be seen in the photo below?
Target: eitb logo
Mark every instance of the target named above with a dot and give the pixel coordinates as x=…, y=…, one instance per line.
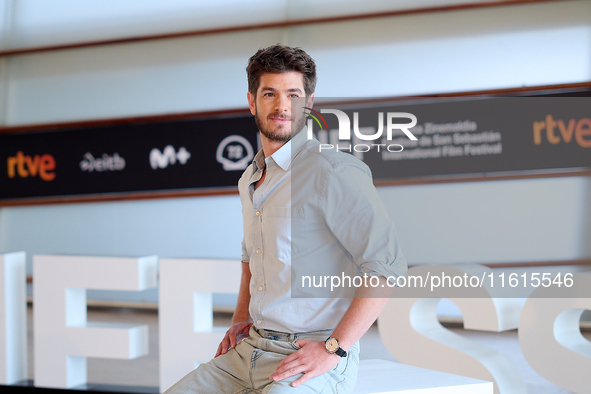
x=345, y=135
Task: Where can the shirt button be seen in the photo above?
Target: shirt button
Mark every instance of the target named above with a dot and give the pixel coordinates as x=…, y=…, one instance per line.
x=260, y=288
x=258, y=251
x=258, y=213
x=258, y=322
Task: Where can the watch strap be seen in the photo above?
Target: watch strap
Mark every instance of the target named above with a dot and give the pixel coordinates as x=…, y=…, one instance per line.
x=340, y=352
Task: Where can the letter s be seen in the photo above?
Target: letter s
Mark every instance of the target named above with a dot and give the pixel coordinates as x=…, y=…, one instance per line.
x=412, y=333
x=550, y=336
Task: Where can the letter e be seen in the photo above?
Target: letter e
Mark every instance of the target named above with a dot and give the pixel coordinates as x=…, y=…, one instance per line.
x=47, y=164
x=63, y=337
x=583, y=130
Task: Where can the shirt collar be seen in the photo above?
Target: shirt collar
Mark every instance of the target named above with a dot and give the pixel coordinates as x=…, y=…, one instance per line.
x=259, y=160
x=284, y=155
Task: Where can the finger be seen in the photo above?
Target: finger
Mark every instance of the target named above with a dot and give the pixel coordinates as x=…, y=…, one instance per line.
x=286, y=366
x=225, y=344
x=292, y=357
x=303, y=379
x=232, y=339
x=287, y=373
x=220, y=348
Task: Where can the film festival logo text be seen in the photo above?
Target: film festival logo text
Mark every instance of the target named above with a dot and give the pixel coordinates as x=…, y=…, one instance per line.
x=344, y=130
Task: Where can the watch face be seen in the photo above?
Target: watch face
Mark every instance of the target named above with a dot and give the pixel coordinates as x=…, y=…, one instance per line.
x=332, y=345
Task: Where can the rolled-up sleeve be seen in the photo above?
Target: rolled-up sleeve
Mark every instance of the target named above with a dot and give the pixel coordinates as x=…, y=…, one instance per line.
x=245, y=256
x=358, y=219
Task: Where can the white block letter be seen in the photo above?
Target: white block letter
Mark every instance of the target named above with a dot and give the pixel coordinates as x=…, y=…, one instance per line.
x=13, y=314
x=63, y=338
x=411, y=331
x=187, y=334
x=550, y=336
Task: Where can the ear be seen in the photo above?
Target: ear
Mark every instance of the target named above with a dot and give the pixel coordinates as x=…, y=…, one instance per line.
x=310, y=100
x=251, y=103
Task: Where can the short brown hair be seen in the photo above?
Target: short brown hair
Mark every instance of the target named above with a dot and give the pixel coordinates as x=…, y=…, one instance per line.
x=277, y=59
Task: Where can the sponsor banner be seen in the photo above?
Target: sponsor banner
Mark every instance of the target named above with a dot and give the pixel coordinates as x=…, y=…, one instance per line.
x=445, y=137
x=189, y=154
x=461, y=136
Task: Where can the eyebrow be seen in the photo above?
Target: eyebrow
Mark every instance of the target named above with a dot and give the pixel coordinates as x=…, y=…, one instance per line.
x=275, y=90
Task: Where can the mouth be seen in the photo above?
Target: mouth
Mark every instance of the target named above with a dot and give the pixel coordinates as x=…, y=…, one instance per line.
x=280, y=119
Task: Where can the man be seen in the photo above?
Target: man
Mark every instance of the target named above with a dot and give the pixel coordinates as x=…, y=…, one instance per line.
x=304, y=211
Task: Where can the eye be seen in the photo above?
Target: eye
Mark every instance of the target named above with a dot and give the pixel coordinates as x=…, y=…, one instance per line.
x=294, y=96
x=268, y=94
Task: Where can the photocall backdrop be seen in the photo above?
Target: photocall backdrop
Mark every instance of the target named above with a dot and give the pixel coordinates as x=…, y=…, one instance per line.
x=126, y=158
x=459, y=137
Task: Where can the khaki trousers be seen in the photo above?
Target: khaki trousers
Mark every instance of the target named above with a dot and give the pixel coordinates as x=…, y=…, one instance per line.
x=247, y=367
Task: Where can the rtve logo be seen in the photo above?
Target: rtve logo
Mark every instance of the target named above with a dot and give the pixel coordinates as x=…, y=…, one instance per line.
x=168, y=156
x=25, y=166
x=581, y=130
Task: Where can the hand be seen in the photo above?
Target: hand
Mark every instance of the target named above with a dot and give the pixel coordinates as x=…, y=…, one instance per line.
x=235, y=334
x=311, y=360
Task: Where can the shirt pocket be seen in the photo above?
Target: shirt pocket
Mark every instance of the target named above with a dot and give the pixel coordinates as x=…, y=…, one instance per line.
x=285, y=231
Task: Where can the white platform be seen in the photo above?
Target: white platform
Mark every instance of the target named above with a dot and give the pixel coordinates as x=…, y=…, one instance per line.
x=383, y=377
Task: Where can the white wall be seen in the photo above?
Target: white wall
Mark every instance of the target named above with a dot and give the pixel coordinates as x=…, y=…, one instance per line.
x=525, y=45
x=39, y=22
x=491, y=222
x=487, y=222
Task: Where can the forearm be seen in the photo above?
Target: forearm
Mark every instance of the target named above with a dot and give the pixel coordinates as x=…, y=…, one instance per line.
x=241, y=313
x=364, y=310
x=313, y=359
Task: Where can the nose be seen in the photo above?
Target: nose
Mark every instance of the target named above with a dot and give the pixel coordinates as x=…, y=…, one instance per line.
x=283, y=104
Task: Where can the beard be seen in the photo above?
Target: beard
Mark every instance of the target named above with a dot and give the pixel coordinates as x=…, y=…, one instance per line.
x=296, y=125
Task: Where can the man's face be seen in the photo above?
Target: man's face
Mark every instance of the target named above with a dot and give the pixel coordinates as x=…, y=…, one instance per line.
x=272, y=105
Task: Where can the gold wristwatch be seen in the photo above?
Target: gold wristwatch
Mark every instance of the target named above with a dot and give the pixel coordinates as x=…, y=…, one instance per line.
x=332, y=346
